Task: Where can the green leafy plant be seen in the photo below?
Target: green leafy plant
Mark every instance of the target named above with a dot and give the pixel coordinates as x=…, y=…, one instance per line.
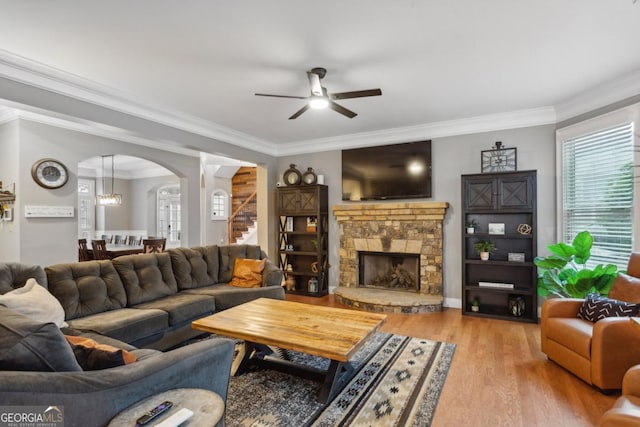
x=471, y=224
x=484, y=246
x=564, y=273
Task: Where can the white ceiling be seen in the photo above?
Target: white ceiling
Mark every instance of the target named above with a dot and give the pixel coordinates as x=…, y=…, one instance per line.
x=435, y=61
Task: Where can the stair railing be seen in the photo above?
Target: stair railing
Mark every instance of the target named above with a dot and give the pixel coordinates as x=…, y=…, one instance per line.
x=243, y=217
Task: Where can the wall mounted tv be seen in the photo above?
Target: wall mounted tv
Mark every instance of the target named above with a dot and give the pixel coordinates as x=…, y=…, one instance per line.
x=398, y=171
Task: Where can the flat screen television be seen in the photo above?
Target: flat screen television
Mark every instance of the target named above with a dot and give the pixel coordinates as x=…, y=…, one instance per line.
x=398, y=171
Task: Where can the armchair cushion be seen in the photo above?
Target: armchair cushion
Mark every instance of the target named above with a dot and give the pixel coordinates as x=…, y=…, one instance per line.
x=626, y=288
x=597, y=307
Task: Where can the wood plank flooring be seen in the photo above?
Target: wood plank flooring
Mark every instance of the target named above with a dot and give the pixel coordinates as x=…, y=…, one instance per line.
x=499, y=376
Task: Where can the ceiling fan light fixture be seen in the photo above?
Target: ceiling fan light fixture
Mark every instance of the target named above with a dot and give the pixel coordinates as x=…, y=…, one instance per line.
x=318, y=102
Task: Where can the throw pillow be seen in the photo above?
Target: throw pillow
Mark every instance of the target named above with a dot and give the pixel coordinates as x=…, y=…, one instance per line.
x=35, y=302
x=28, y=345
x=92, y=356
x=247, y=273
x=596, y=307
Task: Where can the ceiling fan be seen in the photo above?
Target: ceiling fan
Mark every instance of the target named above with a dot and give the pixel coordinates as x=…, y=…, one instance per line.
x=320, y=98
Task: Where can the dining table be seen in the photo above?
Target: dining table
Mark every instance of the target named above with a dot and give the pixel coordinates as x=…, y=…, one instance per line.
x=116, y=250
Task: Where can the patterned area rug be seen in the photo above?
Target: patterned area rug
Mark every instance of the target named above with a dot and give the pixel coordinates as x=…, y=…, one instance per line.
x=397, y=382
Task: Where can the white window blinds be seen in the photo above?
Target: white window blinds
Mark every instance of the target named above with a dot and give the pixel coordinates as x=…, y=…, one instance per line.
x=597, y=192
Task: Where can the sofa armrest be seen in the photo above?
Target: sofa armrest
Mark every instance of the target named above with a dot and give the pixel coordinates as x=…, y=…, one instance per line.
x=94, y=397
x=631, y=381
x=271, y=275
x=615, y=348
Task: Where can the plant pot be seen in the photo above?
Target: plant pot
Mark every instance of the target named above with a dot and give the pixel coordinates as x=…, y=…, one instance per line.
x=475, y=308
x=484, y=256
x=470, y=230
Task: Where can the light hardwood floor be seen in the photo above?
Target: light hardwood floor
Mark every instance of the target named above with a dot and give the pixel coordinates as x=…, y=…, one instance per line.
x=499, y=376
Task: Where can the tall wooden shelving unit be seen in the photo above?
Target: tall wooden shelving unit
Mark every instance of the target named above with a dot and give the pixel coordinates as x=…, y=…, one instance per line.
x=507, y=198
x=303, y=225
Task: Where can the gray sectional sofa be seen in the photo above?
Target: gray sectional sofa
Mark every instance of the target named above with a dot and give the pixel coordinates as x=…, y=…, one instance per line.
x=143, y=304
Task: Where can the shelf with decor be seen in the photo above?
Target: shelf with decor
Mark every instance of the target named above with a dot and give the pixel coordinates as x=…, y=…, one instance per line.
x=303, y=238
x=502, y=207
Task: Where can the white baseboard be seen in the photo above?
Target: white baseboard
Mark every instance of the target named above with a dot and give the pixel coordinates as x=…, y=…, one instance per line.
x=452, y=303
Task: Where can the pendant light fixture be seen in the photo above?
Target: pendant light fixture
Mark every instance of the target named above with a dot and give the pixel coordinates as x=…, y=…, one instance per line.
x=108, y=199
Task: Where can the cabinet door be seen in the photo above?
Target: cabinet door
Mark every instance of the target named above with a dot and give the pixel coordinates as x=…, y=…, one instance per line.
x=308, y=200
x=287, y=201
x=516, y=192
x=480, y=193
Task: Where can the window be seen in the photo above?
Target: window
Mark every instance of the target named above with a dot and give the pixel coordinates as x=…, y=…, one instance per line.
x=86, y=208
x=219, y=205
x=169, y=213
x=596, y=190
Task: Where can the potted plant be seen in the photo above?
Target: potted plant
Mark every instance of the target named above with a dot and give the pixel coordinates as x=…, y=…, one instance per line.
x=564, y=274
x=471, y=226
x=484, y=247
x=475, y=305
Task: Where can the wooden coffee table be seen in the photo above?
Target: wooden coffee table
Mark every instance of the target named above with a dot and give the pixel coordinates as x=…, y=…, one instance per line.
x=333, y=333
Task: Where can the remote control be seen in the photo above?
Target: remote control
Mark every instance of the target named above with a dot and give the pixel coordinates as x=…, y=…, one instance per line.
x=176, y=419
x=148, y=416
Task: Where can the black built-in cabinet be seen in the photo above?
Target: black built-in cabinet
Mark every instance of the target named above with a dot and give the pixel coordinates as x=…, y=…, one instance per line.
x=509, y=199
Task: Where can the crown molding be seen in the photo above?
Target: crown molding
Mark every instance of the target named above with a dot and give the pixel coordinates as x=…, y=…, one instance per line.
x=27, y=71
x=479, y=124
x=605, y=94
x=7, y=115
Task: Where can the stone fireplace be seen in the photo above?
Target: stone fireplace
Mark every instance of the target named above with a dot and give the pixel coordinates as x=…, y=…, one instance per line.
x=394, y=229
x=389, y=271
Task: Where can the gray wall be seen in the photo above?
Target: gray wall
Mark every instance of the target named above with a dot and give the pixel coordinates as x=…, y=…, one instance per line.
x=48, y=241
x=9, y=170
x=452, y=157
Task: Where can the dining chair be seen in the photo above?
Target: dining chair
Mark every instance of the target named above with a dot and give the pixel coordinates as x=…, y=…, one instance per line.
x=107, y=238
x=120, y=240
x=99, y=249
x=83, y=251
x=154, y=245
x=134, y=240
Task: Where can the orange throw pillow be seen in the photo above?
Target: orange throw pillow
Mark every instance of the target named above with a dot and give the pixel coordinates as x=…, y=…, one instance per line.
x=92, y=356
x=247, y=273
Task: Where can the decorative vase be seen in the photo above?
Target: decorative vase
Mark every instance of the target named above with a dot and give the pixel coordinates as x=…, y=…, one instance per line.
x=313, y=285
x=470, y=230
x=475, y=308
x=290, y=283
x=484, y=256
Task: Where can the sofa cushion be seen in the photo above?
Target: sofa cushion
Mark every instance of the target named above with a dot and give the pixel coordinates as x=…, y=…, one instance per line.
x=86, y=288
x=626, y=288
x=229, y=296
x=596, y=307
x=228, y=255
x=195, y=267
x=35, y=302
x=28, y=345
x=15, y=275
x=572, y=333
x=92, y=356
x=125, y=324
x=247, y=273
x=182, y=307
x=146, y=277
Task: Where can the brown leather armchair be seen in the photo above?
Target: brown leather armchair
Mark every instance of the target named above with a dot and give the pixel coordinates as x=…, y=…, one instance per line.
x=599, y=353
x=626, y=410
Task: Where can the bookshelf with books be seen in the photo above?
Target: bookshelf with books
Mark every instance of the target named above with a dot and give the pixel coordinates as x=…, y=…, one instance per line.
x=503, y=205
x=303, y=216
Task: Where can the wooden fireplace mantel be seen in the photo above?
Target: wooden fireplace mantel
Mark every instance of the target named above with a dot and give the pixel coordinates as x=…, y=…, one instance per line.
x=405, y=211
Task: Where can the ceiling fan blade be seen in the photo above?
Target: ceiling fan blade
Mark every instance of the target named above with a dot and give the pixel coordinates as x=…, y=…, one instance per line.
x=314, y=81
x=300, y=111
x=340, y=109
x=281, y=96
x=356, y=94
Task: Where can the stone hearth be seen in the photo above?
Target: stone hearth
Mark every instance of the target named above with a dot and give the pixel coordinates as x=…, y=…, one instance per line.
x=412, y=228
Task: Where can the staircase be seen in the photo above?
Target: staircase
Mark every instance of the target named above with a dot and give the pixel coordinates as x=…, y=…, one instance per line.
x=242, y=222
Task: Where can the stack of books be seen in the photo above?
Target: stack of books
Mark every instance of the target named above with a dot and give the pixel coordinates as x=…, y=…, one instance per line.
x=496, y=285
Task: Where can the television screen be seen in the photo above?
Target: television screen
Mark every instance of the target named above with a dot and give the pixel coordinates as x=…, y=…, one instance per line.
x=398, y=171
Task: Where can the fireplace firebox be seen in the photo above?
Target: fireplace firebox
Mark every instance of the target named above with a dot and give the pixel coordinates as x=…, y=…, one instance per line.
x=393, y=271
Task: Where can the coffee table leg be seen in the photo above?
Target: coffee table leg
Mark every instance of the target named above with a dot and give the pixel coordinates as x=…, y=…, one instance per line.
x=337, y=375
